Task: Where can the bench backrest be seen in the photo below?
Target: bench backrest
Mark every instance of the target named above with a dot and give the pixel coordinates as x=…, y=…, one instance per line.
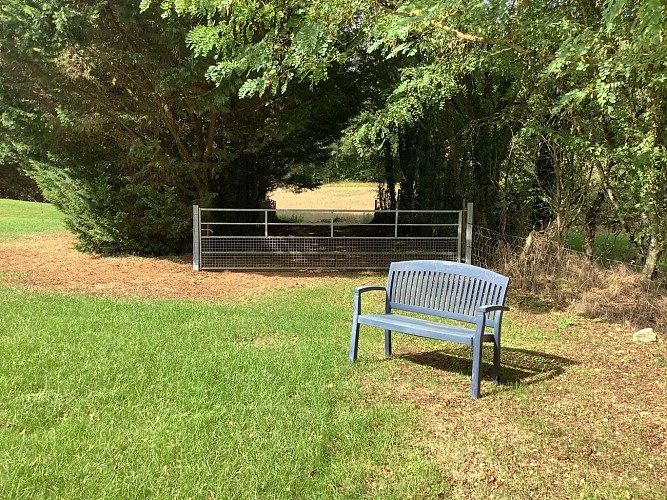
x=445, y=289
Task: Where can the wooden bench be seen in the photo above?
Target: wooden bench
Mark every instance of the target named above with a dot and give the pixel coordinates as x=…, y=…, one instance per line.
x=441, y=290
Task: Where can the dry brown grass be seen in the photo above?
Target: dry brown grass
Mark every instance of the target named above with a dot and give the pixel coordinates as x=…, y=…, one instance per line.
x=584, y=287
x=339, y=196
x=581, y=413
x=625, y=295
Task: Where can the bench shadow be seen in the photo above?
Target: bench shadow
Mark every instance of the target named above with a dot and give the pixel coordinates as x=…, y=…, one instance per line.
x=518, y=366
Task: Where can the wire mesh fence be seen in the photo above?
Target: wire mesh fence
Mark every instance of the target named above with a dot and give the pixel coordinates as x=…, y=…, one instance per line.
x=325, y=239
x=492, y=248
x=590, y=286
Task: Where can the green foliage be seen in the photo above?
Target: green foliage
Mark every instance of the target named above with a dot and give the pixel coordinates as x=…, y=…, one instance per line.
x=607, y=246
x=617, y=74
x=547, y=115
x=266, y=44
x=87, y=113
x=116, y=119
x=122, y=219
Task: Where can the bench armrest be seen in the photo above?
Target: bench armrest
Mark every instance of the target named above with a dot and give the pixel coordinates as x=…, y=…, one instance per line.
x=362, y=289
x=490, y=308
x=482, y=312
x=357, y=296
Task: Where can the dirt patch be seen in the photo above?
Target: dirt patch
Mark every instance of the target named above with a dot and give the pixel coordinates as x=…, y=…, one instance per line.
x=51, y=262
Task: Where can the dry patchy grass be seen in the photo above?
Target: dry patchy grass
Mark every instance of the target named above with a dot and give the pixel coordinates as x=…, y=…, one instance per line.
x=339, y=196
x=582, y=412
x=584, y=287
x=50, y=262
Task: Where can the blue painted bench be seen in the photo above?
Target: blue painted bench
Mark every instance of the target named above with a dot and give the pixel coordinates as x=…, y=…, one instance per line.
x=444, y=291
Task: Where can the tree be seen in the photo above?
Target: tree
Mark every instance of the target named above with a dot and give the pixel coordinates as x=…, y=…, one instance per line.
x=120, y=126
x=617, y=67
x=540, y=112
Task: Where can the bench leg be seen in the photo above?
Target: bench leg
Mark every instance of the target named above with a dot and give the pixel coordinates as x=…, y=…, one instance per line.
x=476, y=369
x=496, y=361
x=387, y=343
x=354, y=340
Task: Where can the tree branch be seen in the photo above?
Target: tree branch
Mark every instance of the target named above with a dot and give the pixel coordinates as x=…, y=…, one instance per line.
x=473, y=38
x=168, y=118
x=612, y=198
x=211, y=136
x=488, y=41
x=199, y=182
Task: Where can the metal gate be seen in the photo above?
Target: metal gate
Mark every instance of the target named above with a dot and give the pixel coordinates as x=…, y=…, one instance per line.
x=270, y=238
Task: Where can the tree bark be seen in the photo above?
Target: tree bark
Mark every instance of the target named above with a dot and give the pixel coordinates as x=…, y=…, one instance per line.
x=590, y=223
x=406, y=161
x=653, y=254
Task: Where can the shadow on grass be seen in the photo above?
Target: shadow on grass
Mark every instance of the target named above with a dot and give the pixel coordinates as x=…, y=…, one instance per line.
x=531, y=303
x=518, y=366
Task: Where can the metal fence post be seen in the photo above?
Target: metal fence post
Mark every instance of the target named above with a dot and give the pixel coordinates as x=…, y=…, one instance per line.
x=459, y=246
x=396, y=225
x=196, y=237
x=469, y=233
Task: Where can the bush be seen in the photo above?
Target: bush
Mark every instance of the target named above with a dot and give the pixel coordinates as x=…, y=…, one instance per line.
x=115, y=218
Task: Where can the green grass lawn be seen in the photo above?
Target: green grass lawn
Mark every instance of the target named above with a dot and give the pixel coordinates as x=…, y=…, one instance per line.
x=21, y=218
x=119, y=398
x=254, y=398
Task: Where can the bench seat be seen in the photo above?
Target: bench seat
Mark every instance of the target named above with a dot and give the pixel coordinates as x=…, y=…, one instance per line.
x=422, y=328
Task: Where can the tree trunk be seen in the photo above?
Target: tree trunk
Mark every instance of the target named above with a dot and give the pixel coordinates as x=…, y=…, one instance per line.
x=544, y=182
x=653, y=254
x=389, y=176
x=590, y=223
x=407, y=167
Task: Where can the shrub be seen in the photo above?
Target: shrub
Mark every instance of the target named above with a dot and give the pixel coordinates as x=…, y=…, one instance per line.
x=115, y=217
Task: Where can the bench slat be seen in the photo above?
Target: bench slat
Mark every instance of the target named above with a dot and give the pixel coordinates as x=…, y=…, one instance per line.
x=462, y=297
x=421, y=327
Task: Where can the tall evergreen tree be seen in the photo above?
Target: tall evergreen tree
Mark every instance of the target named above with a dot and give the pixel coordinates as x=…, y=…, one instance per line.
x=118, y=122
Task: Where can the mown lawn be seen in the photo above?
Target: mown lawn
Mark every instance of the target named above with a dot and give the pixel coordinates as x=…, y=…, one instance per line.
x=254, y=398
x=21, y=218
x=109, y=398
x=130, y=398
